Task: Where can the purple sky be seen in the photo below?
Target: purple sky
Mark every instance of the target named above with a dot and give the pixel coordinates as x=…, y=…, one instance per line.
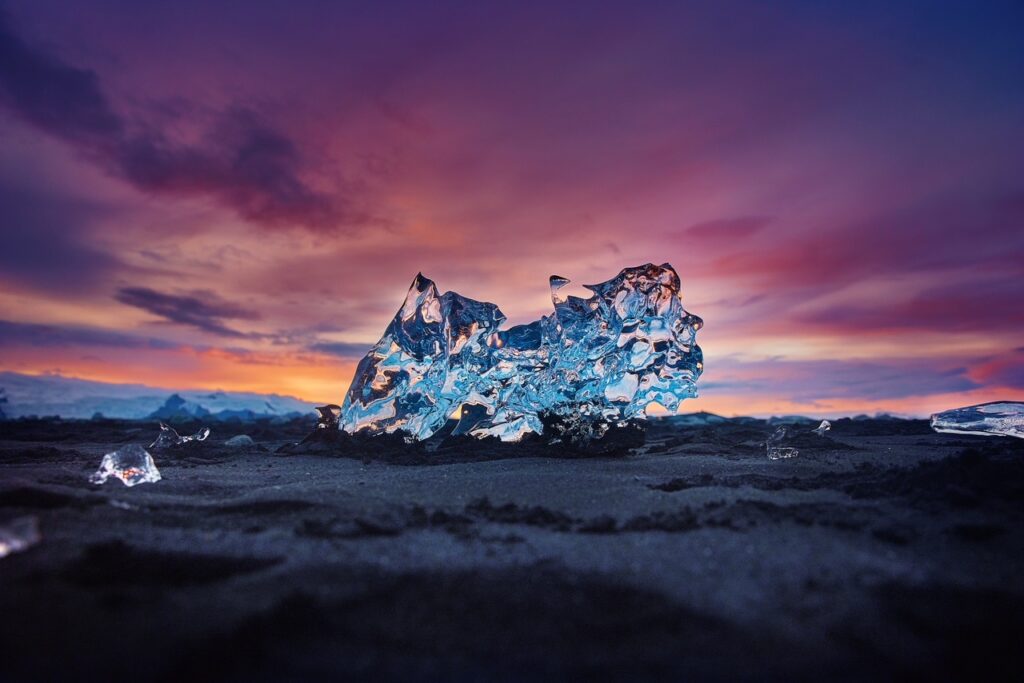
x=237, y=196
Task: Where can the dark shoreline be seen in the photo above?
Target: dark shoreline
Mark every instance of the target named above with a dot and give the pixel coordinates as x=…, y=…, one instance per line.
x=884, y=551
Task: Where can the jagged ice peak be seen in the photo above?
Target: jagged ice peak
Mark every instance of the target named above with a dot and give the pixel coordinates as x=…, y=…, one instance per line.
x=590, y=363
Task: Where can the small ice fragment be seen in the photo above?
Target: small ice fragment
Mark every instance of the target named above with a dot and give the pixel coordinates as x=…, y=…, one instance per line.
x=239, y=441
x=21, y=533
x=169, y=437
x=822, y=428
x=166, y=438
x=776, y=451
x=782, y=452
x=1000, y=418
x=328, y=416
x=132, y=465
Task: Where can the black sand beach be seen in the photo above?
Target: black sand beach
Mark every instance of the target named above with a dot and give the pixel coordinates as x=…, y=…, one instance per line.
x=883, y=551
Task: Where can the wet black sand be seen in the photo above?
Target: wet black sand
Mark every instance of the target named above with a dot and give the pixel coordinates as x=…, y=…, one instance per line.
x=884, y=551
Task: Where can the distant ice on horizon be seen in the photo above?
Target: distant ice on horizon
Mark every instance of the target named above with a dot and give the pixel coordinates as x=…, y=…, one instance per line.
x=73, y=398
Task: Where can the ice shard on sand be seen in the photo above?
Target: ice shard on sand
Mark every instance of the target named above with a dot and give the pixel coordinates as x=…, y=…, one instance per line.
x=169, y=437
x=132, y=465
x=1002, y=418
x=777, y=450
x=591, y=363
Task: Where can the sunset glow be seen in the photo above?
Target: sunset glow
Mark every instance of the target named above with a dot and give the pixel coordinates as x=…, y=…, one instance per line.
x=839, y=187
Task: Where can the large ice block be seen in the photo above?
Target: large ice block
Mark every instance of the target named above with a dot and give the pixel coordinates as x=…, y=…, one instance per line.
x=599, y=360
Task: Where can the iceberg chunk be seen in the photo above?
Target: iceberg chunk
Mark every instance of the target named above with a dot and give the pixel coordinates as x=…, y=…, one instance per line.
x=132, y=465
x=603, y=359
x=21, y=533
x=169, y=437
x=822, y=428
x=775, y=444
x=1001, y=418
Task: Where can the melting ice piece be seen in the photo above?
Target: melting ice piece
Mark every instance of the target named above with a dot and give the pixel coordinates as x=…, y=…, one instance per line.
x=239, y=441
x=19, y=534
x=776, y=451
x=132, y=465
x=822, y=428
x=328, y=416
x=169, y=437
x=1002, y=418
x=592, y=361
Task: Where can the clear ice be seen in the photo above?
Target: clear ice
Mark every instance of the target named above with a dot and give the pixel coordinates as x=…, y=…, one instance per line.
x=168, y=437
x=132, y=465
x=1002, y=418
x=593, y=361
x=776, y=451
x=18, y=534
x=822, y=428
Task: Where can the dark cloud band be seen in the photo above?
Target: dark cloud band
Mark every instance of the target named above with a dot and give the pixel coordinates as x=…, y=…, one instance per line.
x=242, y=162
x=60, y=336
x=201, y=310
